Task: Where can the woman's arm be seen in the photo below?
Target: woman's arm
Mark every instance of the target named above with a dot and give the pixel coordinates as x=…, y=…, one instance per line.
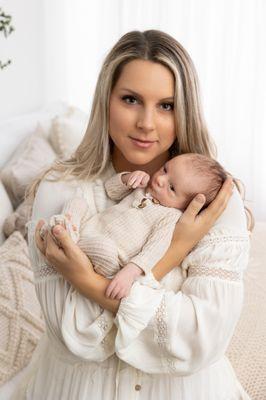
x=86, y=329
x=75, y=266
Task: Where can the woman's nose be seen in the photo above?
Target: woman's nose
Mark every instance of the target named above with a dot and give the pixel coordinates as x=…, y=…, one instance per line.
x=146, y=120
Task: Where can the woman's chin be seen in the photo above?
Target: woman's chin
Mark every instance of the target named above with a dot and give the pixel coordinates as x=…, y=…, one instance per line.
x=140, y=160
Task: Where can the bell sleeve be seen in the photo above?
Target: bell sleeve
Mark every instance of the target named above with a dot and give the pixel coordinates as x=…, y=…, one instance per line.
x=181, y=332
x=85, y=328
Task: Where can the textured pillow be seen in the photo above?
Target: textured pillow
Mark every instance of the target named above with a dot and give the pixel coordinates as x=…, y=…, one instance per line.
x=5, y=210
x=21, y=321
x=13, y=130
x=247, y=350
x=67, y=131
x=18, y=219
x=33, y=155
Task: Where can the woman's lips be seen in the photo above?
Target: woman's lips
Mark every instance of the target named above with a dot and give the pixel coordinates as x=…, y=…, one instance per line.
x=142, y=144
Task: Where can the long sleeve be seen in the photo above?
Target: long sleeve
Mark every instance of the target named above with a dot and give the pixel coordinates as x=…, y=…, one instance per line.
x=181, y=332
x=82, y=325
x=158, y=242
x=115, y=188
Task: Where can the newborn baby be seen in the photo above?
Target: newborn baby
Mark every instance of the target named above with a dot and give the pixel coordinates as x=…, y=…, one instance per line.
x=127, y=239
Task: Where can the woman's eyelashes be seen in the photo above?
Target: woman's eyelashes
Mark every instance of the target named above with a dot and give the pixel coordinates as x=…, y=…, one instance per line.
x=170, y=106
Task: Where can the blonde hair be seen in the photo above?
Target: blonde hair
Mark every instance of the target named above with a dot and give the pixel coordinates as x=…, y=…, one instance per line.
x=92, y=156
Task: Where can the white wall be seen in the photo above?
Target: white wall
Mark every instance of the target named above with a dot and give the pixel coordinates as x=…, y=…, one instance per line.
x=22, y=82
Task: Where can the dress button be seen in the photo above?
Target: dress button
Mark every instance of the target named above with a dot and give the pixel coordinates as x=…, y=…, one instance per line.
x=137, y=387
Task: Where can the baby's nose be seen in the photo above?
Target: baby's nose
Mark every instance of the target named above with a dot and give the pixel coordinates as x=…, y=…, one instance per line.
x=160, y=180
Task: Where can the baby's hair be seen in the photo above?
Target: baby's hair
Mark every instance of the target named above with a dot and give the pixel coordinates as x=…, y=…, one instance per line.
x=214, y=172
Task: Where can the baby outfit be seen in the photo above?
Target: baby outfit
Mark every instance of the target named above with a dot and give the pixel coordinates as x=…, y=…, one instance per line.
x=137, y=229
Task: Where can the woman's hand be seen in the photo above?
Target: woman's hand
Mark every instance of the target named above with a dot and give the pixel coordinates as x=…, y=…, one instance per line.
x=193, y=224
x=191, y=228
x=68, y=259
x=71, y=262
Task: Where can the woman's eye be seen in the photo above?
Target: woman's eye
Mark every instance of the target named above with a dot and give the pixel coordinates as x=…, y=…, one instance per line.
x=125, y=98
x=164, y=169
x=172, y=188
x=171, y=105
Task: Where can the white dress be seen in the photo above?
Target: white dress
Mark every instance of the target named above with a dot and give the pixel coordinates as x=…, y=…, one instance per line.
x=167, y=341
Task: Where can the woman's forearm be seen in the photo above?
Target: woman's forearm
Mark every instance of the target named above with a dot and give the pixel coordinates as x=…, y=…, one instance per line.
x=171, y=259
x=93, y=286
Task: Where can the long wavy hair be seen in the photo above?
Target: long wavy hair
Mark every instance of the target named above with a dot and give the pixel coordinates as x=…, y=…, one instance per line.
x=92, y=156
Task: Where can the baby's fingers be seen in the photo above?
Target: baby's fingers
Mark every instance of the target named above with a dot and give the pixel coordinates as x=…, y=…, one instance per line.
x=145, y=180
x=110, y=288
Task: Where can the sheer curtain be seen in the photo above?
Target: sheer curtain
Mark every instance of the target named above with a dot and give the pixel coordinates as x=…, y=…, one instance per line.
x=227, y=42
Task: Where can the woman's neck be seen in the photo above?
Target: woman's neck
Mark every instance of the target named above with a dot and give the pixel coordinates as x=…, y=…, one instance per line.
x=121, y=164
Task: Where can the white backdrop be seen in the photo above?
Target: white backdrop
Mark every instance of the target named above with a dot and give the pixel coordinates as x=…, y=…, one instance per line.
x=225, y=38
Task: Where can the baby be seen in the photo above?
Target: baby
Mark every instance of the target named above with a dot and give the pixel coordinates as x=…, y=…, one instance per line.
x=127, y=239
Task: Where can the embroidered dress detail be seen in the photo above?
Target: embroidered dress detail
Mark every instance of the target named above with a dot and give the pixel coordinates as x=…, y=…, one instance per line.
x=45, y=271
x=214, y=273
x=209, y=239
x=161, y=324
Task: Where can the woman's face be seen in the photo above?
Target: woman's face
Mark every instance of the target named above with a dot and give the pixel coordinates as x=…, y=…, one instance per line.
x=141, y=118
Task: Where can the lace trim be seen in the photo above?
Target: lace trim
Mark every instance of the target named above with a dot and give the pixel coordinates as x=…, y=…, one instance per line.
x=161, y=324
x=45, y=271
x=160, y=318
x=215, y=273
x=102, y=323
x=223, y=239
x=109, y=337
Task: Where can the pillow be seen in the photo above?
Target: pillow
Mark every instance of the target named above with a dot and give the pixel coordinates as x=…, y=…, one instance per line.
x=32, y=156
x=18, y=219
x=67, y=131
x=14, y=130
x=21, y=320
x=5, y=210
x=247, y=350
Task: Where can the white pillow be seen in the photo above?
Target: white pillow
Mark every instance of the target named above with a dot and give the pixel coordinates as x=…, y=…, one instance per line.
x=32, y=156
x=67, y=131
x=5, y=210
x=14, y=130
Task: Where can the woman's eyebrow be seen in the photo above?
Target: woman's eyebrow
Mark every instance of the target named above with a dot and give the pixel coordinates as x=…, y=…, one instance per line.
x=141, y=97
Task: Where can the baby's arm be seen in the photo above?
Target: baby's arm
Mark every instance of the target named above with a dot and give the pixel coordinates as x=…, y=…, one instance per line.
x=136, y=179
x=120, y=285
x=120, y=185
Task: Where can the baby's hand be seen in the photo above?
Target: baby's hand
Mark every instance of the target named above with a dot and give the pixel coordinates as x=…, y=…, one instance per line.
x=122, y=282
x=137, y=179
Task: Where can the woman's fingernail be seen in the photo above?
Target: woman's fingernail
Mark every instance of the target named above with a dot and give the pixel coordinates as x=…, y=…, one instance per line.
x=200, y=198
x=57, y=230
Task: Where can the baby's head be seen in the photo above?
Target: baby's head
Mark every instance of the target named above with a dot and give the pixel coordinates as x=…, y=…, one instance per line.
x=180, y=179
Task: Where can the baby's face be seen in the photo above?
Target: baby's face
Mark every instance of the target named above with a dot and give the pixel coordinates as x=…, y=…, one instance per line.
x=170, y=184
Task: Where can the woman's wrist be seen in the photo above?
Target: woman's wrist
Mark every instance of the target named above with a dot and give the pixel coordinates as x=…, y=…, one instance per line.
x=93, y=286
x=174, y=256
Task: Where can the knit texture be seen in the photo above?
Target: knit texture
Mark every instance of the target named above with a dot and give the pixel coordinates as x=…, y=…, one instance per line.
x=21, y=322
x=134, y=230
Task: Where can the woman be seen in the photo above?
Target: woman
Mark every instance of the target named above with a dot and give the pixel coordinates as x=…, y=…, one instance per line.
x=168, y=339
